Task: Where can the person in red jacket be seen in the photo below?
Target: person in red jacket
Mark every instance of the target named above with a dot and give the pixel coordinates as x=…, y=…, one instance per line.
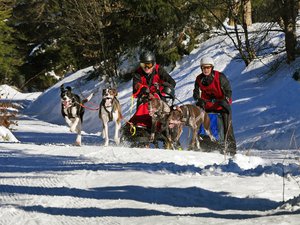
x=151, y=77
x=213, y=93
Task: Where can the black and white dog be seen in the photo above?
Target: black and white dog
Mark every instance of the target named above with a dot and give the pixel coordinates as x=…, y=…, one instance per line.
x=110, y=110
x=72, y=110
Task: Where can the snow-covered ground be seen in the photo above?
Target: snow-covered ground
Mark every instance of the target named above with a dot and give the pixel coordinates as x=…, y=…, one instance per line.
x=47, y=180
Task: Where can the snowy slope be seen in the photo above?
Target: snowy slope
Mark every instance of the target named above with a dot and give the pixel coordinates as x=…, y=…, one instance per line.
x=265, y=101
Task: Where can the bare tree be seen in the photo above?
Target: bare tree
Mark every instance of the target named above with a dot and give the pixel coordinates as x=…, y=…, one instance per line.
x=87, y=24
x=247, y=12
x=288, y=11
x=239, y=16
x=234, y=7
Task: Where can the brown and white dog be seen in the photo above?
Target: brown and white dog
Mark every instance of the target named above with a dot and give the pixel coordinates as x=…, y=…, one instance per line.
x=158, y=110
x=191, y=116
x=110, y=110
x=72, y=110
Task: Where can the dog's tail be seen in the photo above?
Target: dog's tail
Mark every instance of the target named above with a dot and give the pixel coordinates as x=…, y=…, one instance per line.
x=88, y=98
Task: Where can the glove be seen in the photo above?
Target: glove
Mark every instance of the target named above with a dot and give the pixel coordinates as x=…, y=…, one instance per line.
x=166, y=84
x=225, y=106
x=201, y=103
x=227, y=100
x=144, y=91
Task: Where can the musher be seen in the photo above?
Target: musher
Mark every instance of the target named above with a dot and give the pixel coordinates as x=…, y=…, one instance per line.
x=152, y=78
x=213, y=93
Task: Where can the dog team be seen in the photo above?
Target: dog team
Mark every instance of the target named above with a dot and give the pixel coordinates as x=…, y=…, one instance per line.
x=110, y=110
x=212, y=93
x=72, y=109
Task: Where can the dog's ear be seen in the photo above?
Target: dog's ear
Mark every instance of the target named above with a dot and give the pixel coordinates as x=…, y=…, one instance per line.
x=62, y=87
x=69, y=88
x=179, y=109
x=115, y=92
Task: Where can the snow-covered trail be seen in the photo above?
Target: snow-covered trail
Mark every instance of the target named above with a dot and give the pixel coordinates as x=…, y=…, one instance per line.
x=45, y=181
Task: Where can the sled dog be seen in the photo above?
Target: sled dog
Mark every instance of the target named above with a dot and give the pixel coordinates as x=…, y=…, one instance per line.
x=191, y=116
x=72, y=110
x=110, y=110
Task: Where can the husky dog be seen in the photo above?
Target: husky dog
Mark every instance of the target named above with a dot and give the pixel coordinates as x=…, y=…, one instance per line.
x=191, y=116
x=72, y=110
x=110, y=110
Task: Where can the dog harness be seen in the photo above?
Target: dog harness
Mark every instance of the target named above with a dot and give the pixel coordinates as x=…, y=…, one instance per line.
x=113, y=108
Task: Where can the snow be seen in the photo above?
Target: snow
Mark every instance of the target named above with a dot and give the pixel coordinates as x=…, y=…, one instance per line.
x=8, y=93
x=6, y=135
x=45, y=179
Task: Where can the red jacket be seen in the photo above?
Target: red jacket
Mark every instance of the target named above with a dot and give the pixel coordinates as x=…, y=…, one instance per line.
x=151, y=81
x=216, y=90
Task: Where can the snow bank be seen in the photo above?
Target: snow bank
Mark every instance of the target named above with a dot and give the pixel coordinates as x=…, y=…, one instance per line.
x=6, y=135
x=8, y=93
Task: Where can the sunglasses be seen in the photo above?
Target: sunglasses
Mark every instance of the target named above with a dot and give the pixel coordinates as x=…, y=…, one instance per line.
x=206, y=67
x=147, y=65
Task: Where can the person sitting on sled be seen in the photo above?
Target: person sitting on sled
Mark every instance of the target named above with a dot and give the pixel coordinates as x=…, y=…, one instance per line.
x=212, y=91
x=150, y=77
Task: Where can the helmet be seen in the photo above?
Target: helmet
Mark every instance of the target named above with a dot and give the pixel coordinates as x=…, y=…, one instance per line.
x=147, y=56
x=206, y=60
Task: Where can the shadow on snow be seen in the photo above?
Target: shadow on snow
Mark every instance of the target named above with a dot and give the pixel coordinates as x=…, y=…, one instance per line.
x=173, y=196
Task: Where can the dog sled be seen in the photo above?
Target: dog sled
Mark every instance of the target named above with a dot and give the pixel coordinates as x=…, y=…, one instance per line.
x=137, y=131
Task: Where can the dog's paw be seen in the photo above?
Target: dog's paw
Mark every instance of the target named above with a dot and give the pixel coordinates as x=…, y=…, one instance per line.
x=77, y=143
x=117, y=140
x=72, y=129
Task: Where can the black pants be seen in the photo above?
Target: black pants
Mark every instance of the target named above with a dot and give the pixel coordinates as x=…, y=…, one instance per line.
x=228, y=133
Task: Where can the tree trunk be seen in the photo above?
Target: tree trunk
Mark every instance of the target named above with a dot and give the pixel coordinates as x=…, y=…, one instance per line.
x=289, y=12
x=247, y=14
x=234, y=6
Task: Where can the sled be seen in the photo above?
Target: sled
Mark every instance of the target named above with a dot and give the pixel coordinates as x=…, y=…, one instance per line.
x=217, y=129
x=137, y=131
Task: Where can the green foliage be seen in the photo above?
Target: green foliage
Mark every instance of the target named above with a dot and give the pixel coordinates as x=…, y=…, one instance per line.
x=263, y=11
x=8, y=54
x=62, y=35
x=39, y=41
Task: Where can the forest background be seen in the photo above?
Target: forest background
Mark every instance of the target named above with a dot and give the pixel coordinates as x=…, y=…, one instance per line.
x=41, y=41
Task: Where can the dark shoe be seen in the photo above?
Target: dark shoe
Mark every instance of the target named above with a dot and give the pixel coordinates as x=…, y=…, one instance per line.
x=231, y=149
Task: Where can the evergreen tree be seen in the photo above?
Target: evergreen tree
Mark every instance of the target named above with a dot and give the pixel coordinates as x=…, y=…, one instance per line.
x=8, y=54
x=40, y=43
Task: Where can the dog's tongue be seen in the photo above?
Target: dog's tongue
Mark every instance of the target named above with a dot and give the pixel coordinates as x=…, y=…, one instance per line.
x=66, y=103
